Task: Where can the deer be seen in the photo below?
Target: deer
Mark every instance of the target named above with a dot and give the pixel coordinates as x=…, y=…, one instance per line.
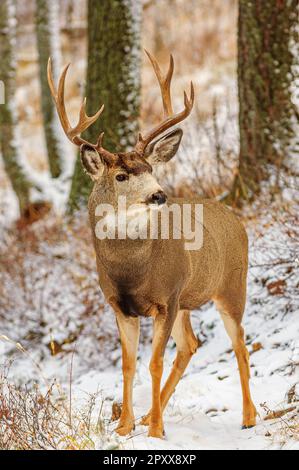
x=159, y=278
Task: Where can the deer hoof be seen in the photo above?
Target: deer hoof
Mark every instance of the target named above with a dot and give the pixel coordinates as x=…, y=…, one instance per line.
x=124, y=429
x=145, y=421
x=249, y=419
x=156, y=431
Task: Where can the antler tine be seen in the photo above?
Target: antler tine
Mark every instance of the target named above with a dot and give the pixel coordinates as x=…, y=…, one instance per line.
x=188, y=102
x=164, y=82
x=73, y=133
x=59, y=96
x=61, y=107
x=171, y=119
x=84, y=120
x=50, y=80
x=109, y=157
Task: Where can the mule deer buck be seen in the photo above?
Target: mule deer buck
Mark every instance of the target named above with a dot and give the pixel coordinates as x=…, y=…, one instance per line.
x=158, y=277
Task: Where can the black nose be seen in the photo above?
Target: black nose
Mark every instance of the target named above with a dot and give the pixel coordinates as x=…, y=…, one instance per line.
x=157, y=198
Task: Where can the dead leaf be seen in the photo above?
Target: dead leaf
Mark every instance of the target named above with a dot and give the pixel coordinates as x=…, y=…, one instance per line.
x=292, y=396
x=276, y=287
x=279, y=413
x=116, y=411
x=256, y=347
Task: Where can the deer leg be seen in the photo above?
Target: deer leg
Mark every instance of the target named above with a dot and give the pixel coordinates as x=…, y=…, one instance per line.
x=129, y=336
x=162, y=328
x=186, y=344
x=236, y=334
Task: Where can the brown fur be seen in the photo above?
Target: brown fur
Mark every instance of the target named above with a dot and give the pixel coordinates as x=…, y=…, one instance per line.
x=132, y=163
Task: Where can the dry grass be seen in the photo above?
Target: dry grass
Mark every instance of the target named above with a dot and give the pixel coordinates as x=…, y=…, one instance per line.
x=44, y=416
x=31, y=419
x=285, y=426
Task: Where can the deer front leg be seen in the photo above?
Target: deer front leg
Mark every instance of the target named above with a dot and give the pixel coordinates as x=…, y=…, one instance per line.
x=186, y=343
x=129, y=336
x=162, y=327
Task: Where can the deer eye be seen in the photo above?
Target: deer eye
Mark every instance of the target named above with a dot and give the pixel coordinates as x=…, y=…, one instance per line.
x=121, y=177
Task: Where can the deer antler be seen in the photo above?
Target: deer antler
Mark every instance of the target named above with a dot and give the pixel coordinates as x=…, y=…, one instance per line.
x=171, y=119
x=73, y=133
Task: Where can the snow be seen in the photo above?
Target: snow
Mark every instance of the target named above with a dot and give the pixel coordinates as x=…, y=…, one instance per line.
x=62, y=303
x=205, y=411
x=188, y=422
x=49, y=294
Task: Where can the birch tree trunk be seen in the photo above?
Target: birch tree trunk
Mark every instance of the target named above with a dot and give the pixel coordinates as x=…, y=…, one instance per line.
x=8, y=113
x=112, y=79
x=48, y=45
x=267, y=115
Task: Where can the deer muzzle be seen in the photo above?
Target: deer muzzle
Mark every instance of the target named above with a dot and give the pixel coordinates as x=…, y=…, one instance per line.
x=158, y=198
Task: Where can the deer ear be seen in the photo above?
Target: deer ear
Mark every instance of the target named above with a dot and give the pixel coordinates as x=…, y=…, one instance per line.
x=92, y=162
x=165, y=148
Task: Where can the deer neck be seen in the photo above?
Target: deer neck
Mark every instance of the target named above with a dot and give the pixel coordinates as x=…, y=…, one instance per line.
x=127, y=260
x=119, y=254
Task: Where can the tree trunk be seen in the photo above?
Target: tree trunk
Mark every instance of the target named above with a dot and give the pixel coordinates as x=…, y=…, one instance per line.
x=47, y=31
x=113, y=78
x=8, y=120
x=266, y=31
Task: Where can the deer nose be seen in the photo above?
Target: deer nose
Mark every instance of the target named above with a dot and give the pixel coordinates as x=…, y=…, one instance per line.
x=157, y=198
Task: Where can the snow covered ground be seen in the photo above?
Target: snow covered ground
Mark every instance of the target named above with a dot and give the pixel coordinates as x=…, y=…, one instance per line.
x=51, y=306
x=206, y=410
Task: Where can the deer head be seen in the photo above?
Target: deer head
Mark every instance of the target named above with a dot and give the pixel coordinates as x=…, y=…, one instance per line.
x=127, y=174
